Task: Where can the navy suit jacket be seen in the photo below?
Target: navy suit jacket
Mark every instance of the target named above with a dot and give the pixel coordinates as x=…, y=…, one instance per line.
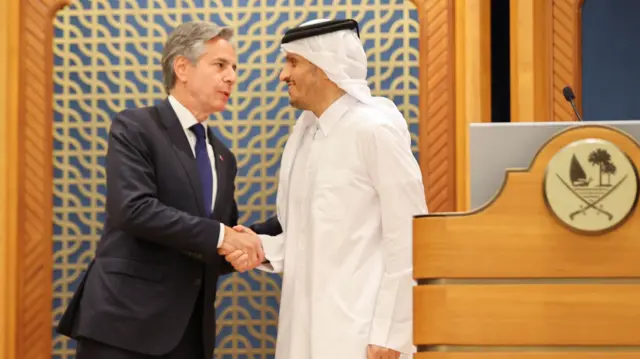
x=269, y=227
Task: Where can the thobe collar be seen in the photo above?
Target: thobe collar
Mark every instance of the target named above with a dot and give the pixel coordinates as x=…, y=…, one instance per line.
x=334, y=113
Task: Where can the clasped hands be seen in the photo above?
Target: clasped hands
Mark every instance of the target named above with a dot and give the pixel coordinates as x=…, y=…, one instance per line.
x=242, y=248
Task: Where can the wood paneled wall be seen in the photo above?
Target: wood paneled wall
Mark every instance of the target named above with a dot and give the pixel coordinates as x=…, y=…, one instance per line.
x=545, y=57
x=455, y=90
x=27, y=185
x=8, y=176
x=473, y=84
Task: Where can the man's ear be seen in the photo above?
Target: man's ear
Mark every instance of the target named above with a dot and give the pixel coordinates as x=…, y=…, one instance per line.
x=180, y=66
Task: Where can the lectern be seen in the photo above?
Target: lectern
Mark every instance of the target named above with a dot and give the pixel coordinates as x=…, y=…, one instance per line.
x=548, y=267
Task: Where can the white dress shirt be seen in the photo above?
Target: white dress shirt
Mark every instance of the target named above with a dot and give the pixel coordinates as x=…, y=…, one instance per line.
x=187, y=119
x=347, y=195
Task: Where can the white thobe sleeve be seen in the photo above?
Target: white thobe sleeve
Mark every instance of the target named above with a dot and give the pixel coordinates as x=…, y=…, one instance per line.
x=273, y=247
x=398, y=181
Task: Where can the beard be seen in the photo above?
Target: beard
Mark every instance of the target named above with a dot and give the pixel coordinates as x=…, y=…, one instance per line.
x=296, y=103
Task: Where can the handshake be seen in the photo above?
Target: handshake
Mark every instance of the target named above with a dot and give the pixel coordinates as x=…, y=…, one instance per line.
x=242, y=248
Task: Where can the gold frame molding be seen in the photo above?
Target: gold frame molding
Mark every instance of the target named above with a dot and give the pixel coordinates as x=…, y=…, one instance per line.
x=8, y=176
x=29, y=331
x=546, y=56
x=27, y=209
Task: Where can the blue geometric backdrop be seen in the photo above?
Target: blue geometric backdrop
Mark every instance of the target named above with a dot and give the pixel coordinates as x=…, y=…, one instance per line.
x=107, y=58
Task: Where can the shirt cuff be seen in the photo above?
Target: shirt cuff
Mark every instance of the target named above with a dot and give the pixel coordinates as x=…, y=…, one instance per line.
x=273, y=247
x=221, y=235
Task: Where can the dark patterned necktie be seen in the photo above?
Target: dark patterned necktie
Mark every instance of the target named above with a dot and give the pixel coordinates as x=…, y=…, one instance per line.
x=204, y=166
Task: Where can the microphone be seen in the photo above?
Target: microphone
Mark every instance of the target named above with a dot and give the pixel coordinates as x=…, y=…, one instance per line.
x=570, y=96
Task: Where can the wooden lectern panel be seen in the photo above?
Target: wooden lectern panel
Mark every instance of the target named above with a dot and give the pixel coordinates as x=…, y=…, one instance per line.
x=528, y=314
x=526, y=355
x=550, y=269
x=516, y=235
x=507, y=241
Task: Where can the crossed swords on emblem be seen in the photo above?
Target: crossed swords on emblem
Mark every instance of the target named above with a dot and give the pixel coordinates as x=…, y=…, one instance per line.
x=594, y=203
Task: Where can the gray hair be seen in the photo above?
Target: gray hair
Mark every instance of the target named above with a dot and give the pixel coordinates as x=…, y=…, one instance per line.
x=188, y=40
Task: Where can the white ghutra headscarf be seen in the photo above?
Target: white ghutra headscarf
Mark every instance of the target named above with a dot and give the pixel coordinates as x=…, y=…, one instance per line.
x=341, y=56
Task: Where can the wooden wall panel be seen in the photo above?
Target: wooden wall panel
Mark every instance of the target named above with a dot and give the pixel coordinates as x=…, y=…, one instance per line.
x=530, y=29
x=437, y=106
x=8, y=175
x=545, y=57
x=455, y=90
x=567, y=56
x=34, y=179
x=472, y=84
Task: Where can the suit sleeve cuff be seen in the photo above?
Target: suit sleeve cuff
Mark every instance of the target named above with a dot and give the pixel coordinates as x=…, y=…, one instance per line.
x=221, y=235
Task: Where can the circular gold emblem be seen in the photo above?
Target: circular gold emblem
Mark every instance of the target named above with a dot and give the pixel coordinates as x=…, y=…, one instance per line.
x=591, y=185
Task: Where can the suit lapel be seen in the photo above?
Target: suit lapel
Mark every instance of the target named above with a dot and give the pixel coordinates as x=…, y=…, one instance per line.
x=182, y=149
x=221, y=175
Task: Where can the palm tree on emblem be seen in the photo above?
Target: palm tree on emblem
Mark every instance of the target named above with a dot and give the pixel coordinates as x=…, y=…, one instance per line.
x=600, y=157
x=609, y=169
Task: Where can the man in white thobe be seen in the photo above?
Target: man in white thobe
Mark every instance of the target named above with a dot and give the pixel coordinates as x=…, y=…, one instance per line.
x=349, y=187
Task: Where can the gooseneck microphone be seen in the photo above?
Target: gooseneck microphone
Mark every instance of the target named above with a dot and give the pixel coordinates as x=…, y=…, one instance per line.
x=570, y=97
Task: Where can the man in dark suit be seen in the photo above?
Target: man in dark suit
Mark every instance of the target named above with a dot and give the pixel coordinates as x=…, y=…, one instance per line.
x=150, y=290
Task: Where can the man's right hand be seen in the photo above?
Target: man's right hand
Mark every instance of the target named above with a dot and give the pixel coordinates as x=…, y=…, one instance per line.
x=247, y=242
